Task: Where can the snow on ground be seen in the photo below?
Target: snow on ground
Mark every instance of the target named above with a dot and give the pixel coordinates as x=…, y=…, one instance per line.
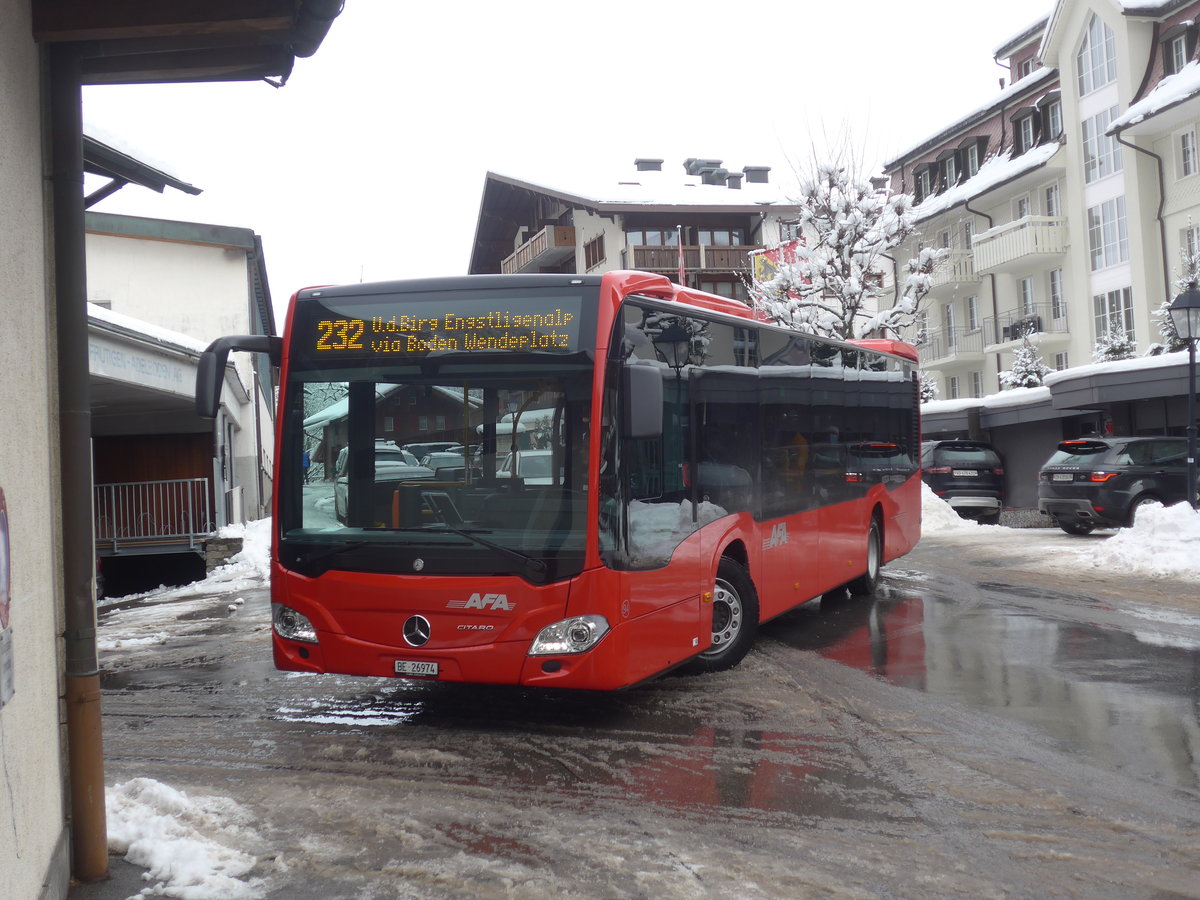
x=1162, y=543
x=189, y=846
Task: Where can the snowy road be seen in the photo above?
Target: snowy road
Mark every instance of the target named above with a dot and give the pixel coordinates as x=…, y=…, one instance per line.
x=994, y=724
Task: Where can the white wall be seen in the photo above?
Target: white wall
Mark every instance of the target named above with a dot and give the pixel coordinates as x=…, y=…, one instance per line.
x=31, y=741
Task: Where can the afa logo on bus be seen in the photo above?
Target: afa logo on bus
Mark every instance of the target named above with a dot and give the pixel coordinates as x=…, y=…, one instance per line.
x=482, y=601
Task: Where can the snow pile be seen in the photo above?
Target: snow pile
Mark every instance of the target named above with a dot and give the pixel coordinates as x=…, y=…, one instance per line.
x=189, y=847
x=1162, y=541
x=255, y=556
x=939, y=518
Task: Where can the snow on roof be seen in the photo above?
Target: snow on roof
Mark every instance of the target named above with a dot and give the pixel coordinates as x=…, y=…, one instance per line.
x=996, y=171
x=1137, y=364
x=1170, y=91
x=1021, y=38
x=1001, y=99
x=145, y=329
x=666, y=189
x=121, y=144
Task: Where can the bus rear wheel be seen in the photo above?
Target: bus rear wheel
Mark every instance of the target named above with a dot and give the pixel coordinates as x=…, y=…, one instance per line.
x=734, y=622
x=865, y=584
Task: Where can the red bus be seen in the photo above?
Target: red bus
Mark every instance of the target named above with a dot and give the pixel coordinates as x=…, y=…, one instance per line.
x=700, y=472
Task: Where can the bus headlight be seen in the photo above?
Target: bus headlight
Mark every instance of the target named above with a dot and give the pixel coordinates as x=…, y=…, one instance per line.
x=574, y=635
x=292, y=625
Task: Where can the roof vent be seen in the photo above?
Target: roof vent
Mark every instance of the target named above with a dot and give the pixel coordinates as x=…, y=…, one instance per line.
x=756, y=174
x=713, y=176
x=734, y=181
x=648, y=165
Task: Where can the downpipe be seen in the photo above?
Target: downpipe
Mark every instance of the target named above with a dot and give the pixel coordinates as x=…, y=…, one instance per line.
x=89, y=829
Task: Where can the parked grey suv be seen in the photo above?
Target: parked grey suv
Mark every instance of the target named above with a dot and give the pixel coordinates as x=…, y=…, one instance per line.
x=1100, y=482
x=969, y=475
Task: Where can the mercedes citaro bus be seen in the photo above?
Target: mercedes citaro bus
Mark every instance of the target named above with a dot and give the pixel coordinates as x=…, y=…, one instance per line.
x=709, y=471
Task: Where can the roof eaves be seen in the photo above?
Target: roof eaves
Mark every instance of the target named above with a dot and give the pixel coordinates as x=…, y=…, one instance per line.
x=1018, y=41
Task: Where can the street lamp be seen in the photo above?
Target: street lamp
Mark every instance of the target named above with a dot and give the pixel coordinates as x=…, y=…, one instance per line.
x=1185, y=316
x=673, y=344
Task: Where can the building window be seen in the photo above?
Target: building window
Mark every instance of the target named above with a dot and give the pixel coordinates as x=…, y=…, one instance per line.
x=789, y=231
x=1053, y=205
x=948, y=322
x=944, y=240
x=652, y=237
x=1054, y=120
x=422, y=423
x=1024, y=135
x=722, y=237
x=1058, y=302
x=952, y=387
x=1101, y=153
x=593, y=252
x=1028, y=304
x=1187, y=154
x=440, y=421
x=976, y=384
x=973, y=313
x=923, y=185
x=1096, y=61
x=1021, y=207
x=968, y=235
x=1107, y=236
x=389, y=424
x=950, y=171
x=1060, y=362
x=1114, y=310
x=972, y=161
x=732, y=288
x=1176, y=56
x=1025, y=68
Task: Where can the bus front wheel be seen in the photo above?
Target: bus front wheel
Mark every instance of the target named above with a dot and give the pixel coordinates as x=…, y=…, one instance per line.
x=734, y=621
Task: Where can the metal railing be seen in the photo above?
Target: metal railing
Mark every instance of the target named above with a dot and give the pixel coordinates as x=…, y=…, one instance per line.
x=152, y=512
x=950, y=343
x=1038, y=318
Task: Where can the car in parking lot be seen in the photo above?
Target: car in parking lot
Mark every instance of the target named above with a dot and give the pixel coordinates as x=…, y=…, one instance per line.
x=967, y=474
x=392, y=466
x=1093, y=483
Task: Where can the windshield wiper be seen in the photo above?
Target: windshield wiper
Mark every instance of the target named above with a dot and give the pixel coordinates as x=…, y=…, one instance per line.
x=536, y=566
x=312, y=557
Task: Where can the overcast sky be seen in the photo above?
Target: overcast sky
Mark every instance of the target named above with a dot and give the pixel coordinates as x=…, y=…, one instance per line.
x=369, y=163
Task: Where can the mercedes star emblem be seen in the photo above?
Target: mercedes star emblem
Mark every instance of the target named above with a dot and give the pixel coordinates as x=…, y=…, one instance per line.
x=416, y=630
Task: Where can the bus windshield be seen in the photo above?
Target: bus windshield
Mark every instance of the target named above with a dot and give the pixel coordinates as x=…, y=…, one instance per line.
x=404, y=462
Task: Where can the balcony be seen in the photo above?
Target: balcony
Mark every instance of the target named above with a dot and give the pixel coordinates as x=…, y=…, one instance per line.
x=1019, y=244
x=1042, y=319
x=549, y=247
x=940, y=346
x=957, y=268
x=695, y=259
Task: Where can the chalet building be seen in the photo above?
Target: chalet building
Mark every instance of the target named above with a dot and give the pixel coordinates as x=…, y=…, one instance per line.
x=704, y=220
x=1064, y=203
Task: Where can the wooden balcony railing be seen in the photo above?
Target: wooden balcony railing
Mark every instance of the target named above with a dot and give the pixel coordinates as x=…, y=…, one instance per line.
x=695, y=259
x=550, y=246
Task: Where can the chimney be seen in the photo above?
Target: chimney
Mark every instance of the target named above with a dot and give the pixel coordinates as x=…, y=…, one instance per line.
x=695, y=166
x=756, y=174
x=648, y=165
x=879, y=182
x=734, y=181
x=709, y=175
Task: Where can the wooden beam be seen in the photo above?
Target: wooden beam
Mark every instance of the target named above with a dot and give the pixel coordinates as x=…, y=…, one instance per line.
x=89, y=20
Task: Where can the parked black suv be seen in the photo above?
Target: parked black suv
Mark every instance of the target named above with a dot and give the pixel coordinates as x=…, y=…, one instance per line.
x=969, y=475
x=1100, y=482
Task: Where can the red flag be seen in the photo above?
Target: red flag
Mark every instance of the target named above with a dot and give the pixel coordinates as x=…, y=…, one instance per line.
x=679, y=240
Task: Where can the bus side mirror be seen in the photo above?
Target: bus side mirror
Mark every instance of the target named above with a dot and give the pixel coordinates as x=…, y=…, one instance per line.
x=642, y=387
x=211, y=369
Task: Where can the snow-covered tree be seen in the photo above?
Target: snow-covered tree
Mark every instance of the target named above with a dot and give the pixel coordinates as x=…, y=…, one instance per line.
x=1171, y=341
x=835, y=282
x=1028, y=369
x=929, y=389
x=1114, y=343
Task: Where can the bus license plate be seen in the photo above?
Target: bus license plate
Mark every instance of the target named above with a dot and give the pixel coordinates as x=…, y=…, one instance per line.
x=965, y=473
x=416, y=667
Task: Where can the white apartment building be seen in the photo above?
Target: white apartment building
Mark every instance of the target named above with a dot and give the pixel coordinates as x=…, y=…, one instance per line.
x=1063, y=202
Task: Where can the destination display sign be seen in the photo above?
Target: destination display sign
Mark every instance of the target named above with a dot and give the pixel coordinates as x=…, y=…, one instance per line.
x=406, y=327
